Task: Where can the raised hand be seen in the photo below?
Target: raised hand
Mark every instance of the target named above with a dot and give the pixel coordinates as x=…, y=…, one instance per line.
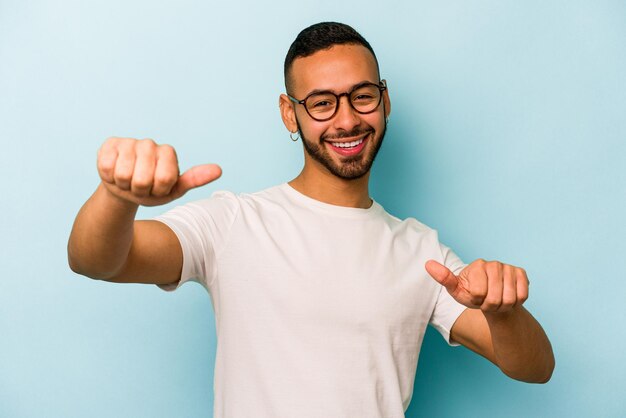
x=145, y=173
x=487, y=285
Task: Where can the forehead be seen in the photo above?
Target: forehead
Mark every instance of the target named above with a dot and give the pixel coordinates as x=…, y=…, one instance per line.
x=338, y=69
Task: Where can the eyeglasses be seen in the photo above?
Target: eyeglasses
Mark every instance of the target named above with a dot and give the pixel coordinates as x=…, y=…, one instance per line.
x=323, y=105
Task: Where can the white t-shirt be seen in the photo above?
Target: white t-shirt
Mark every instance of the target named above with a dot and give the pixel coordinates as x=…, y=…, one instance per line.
x=320, y=310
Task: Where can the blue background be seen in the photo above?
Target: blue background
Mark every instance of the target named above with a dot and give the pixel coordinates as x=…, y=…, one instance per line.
x=507, y=135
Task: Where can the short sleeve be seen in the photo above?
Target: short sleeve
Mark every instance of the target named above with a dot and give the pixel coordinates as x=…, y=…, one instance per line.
x=202, y=229
x=447, y=310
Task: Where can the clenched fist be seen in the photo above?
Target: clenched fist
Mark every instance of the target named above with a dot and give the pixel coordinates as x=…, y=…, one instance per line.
x=145, y=173
x=487, y=285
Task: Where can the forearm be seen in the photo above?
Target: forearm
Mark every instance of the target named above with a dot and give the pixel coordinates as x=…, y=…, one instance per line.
x=102, y=235
x=520, y=346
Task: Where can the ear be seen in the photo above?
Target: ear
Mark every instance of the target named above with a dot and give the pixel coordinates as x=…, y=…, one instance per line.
x=386, y=100
x=287, y=113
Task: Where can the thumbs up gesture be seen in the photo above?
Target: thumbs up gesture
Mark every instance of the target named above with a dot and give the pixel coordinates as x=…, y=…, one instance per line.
x=487, y=285
x=145, y=173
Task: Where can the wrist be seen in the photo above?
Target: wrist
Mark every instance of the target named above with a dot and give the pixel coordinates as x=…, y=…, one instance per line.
x=495, y=317
x=114, y=201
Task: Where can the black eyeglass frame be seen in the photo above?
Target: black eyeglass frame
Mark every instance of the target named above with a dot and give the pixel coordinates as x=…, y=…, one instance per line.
x=382, y=87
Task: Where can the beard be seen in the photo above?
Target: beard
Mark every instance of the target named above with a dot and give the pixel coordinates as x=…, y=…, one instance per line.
x=349, y=168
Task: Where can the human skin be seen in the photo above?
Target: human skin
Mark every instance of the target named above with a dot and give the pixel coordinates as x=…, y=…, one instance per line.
x=107, y=243
x=337, y=69
x=496, y=325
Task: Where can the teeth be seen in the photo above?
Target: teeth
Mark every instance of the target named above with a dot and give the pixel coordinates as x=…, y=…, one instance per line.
x=347, y=144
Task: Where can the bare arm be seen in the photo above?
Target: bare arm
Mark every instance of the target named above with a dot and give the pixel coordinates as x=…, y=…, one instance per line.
x=497, y=326
x=106, y=242
x=514, y=341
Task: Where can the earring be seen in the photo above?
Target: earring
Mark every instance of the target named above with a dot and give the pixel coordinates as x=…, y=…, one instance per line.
x=386, y=119
x=297, y=136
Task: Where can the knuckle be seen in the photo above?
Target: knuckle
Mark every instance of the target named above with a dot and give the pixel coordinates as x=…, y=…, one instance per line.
x=123, y=141
x=493, y=267
x=167, y=178
x=489, y=307
x=123, y=173
x=479, y=292
x=112, y=140
x=509, y=301
x=105, y=153
x=521, y=276
x=105, y=164
x=125, y=165
x=146, y=143
x=158, y=192
x=141, y=186
x=122, y=176
x=106, y=174
x=167, y=150
x=477, y=300
x=146, y=147
x=524, y=275
x=141, y=182
x=492, y=303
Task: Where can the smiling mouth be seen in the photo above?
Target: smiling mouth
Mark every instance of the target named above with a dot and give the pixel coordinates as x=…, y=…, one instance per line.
x=351, y=144
x=349, y=148
x=341, y=143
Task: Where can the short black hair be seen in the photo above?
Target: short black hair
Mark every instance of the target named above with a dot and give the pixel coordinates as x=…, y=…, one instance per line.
x=320, y=36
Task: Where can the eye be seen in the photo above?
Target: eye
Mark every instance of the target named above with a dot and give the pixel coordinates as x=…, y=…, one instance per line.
x=321, y=103
x=363, y=99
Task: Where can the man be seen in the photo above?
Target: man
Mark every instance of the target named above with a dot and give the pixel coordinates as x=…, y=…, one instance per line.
x=321, y=298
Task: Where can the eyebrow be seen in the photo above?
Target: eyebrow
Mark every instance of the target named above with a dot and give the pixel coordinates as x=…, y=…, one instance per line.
x=354, y=87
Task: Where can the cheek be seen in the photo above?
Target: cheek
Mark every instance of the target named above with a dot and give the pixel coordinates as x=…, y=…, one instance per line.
x=314, y=132
x=375, y=121
x=308, y=127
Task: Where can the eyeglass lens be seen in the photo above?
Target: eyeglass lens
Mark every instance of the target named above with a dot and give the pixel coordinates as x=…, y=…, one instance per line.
x=323, y=105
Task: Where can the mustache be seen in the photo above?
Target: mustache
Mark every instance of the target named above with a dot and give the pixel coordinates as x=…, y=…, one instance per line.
x=347, y=134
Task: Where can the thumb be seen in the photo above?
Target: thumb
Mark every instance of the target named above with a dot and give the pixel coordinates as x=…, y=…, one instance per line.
x=195, y=177
x=442, y=275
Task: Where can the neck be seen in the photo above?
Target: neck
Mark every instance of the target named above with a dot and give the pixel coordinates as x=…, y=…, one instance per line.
x=328, y=188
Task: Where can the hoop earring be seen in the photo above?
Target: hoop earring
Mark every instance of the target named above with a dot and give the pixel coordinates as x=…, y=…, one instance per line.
x=297, y=134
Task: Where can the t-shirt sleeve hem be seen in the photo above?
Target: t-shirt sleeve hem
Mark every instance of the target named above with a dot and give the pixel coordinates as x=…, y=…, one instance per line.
x=450, y=320
x=186, y=275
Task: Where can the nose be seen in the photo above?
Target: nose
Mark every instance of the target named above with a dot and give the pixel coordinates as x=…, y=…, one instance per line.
x=346, y=117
